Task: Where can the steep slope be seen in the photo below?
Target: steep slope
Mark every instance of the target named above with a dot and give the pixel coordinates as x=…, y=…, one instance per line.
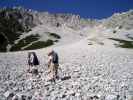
x=86, y=71
x=16, y=23
x=120, y=20
x=44, y=29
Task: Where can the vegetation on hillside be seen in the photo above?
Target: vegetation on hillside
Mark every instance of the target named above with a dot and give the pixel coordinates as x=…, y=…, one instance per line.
x=54, y=35
x=123, y=43
x=24, y=42
x=40, y=44
x=10, y=27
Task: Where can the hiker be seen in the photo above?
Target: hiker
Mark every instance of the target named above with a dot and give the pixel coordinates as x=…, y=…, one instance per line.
x=53, y=64
x=32, y=60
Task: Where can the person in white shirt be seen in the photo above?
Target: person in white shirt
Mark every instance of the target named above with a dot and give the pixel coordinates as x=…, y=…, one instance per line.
x=32, y=60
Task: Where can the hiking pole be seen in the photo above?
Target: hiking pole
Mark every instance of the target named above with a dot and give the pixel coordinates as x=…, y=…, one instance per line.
x=61, y=72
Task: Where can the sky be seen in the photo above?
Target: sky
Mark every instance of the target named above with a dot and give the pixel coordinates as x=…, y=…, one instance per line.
x=97, y=9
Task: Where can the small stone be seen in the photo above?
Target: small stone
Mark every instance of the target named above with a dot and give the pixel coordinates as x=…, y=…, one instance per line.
x=66, y=78
x=18, y=95
x=1, y=89
x=47, y=84
x=29, y=97
x=23, y=97
x=96, y=97
x=77, y=94
x=63, y=96
x=111, y=97
x=29, y=85
x=76, y=70
x=15, y=88
x=15, y=97
x=71, y=93
x=8, y=94
x=34, y=71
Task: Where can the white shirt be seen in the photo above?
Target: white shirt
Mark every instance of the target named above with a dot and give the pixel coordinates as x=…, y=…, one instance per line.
x=31, y=58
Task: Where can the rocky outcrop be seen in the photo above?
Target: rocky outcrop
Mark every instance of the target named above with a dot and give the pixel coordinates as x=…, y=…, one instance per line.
x=120, y=20
x=17, y=20
x=16, y=24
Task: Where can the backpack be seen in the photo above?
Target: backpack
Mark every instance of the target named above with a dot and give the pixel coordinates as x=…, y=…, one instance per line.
x=32, y=59
x=55, y=58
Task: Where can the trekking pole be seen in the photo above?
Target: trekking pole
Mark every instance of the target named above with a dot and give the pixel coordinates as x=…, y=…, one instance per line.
x=61, y=71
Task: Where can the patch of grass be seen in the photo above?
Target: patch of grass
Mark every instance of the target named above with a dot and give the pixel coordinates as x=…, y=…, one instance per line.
x=24, y=42
x=123, y=43
x=36, y=45
x=54, y=35
x=40, y=44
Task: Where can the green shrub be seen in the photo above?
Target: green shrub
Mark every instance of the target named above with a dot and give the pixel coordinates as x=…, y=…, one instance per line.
x=40, y=44
x=24, y=42
x=54, y=35
x=123, y=43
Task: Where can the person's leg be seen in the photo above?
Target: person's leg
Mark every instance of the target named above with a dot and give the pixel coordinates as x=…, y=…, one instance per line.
x=29, y=68
x=35, y=70
x=56, y=71
x=52, y=73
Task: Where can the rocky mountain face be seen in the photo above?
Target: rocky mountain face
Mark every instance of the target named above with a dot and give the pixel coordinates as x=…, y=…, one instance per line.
x=70, y=20
x=13, y=22
x=17, y=22
x=120, y=20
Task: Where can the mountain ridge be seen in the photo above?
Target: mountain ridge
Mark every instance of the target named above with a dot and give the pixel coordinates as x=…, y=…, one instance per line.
x=26, y=20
